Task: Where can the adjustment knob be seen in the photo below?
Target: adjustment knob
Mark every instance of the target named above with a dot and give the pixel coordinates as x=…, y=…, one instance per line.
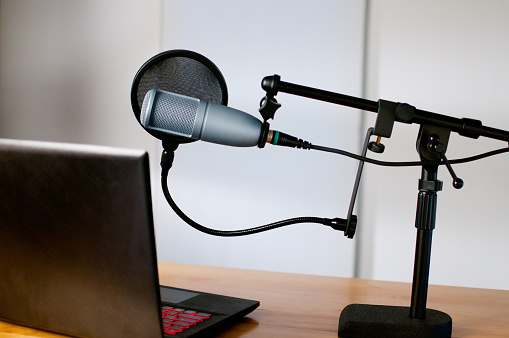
x=435, y=145
x=457, y=183
x=376, y=147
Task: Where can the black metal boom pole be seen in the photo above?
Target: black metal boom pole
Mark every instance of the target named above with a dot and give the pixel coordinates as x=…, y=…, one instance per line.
x=465, y=127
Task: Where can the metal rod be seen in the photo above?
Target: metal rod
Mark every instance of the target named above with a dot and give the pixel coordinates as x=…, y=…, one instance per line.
x=273, y=84
x=323, y=95
x=425, y=223
x=355, y=190
x=421, y=274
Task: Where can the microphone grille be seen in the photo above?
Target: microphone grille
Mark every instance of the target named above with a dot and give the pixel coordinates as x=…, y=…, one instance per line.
x=173, y=113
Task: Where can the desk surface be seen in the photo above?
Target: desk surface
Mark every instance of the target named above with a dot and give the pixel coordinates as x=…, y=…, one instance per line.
x=287, y=299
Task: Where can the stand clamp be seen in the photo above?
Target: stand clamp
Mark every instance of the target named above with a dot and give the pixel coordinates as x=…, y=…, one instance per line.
x=268, y=104
x=388, y=113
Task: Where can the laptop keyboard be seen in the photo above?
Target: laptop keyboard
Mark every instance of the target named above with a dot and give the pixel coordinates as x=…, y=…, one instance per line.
x=176, y=320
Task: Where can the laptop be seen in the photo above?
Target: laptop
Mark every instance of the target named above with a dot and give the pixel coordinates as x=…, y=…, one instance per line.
x=77, y=247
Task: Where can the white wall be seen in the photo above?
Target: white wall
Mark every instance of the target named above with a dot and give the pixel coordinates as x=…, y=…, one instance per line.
x=66, y=69
x=310, y=43
x=450, y=58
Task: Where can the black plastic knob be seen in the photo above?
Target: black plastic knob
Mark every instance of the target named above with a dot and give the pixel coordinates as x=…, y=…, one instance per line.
x=457, y=183
x=376, y=147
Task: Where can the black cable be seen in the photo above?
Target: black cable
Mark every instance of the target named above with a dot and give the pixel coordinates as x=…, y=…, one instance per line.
x=408, y=164
x=365, y=159
x=480, y=156
x=335, y=223
x=282, y=139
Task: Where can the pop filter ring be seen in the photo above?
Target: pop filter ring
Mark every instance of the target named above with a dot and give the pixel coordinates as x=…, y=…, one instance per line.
x=217, y=92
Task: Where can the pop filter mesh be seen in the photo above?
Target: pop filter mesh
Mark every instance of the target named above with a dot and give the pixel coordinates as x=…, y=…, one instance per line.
x=183, y=76
x=182, y=72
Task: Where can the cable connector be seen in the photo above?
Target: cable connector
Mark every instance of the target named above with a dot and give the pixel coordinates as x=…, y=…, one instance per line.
x=167, y=159
x=341, y=224
x=281, y=139
x=168, y=154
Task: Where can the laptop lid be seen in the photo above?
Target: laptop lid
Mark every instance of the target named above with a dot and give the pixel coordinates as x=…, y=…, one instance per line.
x=76, y=231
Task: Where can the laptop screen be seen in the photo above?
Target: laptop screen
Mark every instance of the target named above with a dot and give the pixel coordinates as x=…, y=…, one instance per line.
x=77, y=249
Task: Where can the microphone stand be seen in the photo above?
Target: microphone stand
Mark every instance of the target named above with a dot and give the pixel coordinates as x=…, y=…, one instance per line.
x=360, y=320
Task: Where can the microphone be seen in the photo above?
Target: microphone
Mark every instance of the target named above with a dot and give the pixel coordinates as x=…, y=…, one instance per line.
x=188, y=117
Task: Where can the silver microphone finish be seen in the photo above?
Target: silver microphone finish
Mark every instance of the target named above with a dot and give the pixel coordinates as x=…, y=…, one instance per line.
x=184, y=116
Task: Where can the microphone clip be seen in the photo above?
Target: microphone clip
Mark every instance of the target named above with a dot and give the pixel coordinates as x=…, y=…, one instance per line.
x=268, y=104
x=268, y=107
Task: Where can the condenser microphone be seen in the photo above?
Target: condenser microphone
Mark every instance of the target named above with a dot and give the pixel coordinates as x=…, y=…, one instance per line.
x=188, y=117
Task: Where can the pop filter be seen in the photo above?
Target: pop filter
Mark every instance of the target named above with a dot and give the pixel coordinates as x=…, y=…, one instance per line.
x=182, y=72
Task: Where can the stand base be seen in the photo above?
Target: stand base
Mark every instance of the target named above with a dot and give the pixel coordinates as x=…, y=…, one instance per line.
x=358, y=320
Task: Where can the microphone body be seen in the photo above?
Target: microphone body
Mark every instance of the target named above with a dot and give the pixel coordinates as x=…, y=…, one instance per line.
x=184, y=116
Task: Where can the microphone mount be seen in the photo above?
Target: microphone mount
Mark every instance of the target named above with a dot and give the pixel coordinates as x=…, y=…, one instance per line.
x=268, y=107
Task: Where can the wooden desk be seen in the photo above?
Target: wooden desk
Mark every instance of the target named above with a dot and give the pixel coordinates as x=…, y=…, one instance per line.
x=295, y=305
